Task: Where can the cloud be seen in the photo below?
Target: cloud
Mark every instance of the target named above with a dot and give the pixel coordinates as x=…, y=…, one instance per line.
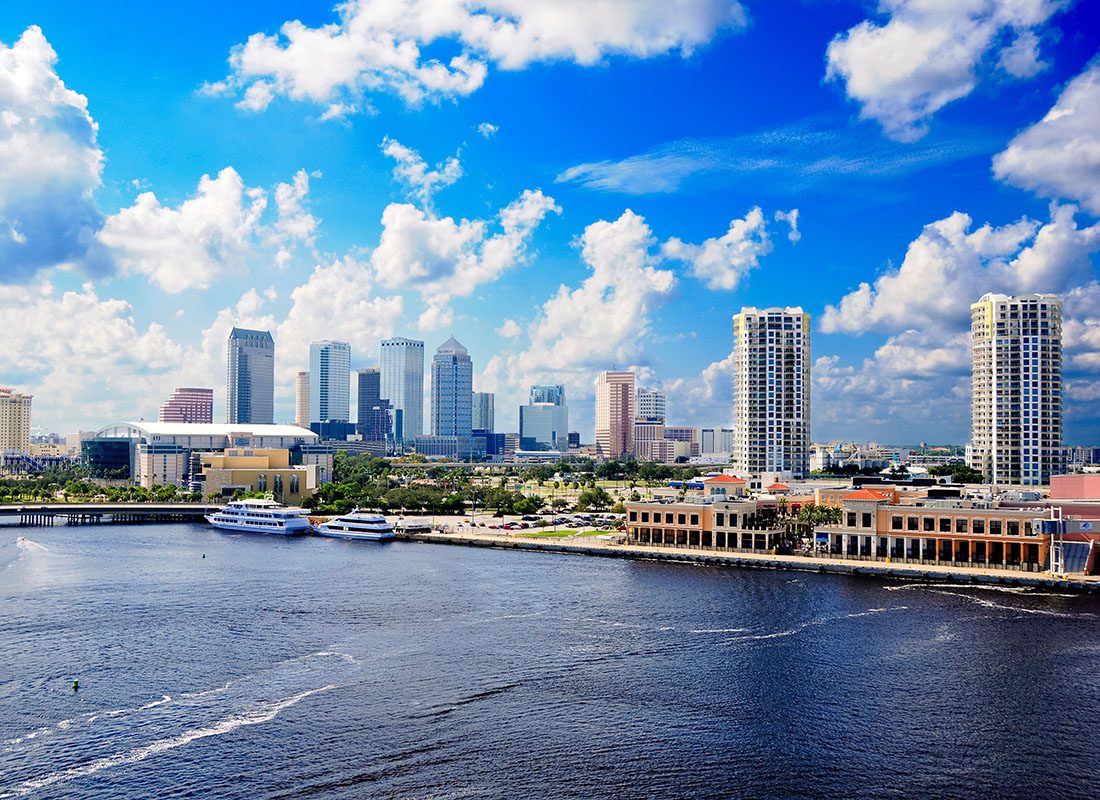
x=416, y=176
x=295, y=224
x=926, y=54
x=722, y=262
x=488, y=130
x=510, y=329
x=187, y=247
x=819, y=154
x=791, y=218
x=1059, y=156
x=949, y=266
x=443, y=258
x=376, y=46
x=50, y=164
x=600, y=324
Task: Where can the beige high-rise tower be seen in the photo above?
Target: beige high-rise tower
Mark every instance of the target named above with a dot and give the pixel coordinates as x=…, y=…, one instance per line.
x=15, y=420
x=771, y=391
x=614, y=414
x=301, y=399
x=1016, y=388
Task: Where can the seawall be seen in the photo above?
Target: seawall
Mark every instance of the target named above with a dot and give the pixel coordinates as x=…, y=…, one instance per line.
x=902, y=571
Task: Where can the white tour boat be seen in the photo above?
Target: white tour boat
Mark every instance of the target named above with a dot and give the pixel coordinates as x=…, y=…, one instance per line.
x=357, y=525
x=260, y=516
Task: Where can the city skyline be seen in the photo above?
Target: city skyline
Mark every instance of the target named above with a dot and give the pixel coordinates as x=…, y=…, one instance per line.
x=557, y=239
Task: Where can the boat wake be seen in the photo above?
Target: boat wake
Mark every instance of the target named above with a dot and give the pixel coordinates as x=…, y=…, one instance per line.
x=133, y=756
x=813, y=623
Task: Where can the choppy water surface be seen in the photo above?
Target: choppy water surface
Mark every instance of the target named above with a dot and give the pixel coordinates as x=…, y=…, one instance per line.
x=327, y=669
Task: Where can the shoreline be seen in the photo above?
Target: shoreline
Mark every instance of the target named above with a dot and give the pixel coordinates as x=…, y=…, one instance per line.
x=1086, y=585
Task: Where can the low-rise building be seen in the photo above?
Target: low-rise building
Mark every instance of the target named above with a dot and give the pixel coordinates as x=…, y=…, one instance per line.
x=746, y=525
x=257, y=470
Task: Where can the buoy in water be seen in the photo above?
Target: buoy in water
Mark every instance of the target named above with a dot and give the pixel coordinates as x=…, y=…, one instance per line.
x=204, y=555
x=76, y=686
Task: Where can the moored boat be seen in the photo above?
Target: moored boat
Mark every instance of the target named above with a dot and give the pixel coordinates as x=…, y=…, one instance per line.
x=357, y=525
x=260, y=516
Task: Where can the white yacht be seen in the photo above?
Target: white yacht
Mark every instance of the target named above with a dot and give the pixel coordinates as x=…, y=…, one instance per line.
x=260, y=516
x=357, y=525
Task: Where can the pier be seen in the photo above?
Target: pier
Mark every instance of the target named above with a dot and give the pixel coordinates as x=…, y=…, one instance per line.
x=104, y=513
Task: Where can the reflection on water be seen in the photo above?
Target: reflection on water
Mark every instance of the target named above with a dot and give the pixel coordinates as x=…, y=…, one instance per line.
x=328, y=669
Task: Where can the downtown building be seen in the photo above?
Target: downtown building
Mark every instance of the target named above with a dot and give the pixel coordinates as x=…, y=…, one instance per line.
x=544, y=421
x=452, y=404
x=301, y=399
x=771, y=392
x=373, y=421
x=329, y=381
x=189, y=404
x=652, y=405
x=615, y=414
x=402, y=384
x=1016, y=399
x=250, y=377
x=484, y=412
x=15, y=421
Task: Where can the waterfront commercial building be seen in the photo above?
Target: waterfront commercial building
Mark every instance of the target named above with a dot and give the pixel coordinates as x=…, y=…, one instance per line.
x=1016, y=400
x=250, y=379
x=771, y=391
x=329, y=381
x=15, y=420
x=256, y=470
x=189, y=404
x=162, y=453
x=373, y=419
x=452, y=391
x=484, y=411
x=301, y=399
x=402, y=367
x=614, y=414
x=652, y=405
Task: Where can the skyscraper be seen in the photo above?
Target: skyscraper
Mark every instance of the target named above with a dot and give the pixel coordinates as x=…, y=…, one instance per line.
x=1016, y=400
x=329, y=381
x=250, y=383
x=548, y=393
x=15, y=420
x=484, y=411
x=452, y=390
x=771, y=391
x=301, y=399
x=544, y=422
x=189, y=404
x=373, y=412
x=614, y=414
x=652, y=405
x=402, y=365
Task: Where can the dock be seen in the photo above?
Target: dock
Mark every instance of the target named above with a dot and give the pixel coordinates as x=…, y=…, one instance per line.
x=105, y=513
x=586, y=546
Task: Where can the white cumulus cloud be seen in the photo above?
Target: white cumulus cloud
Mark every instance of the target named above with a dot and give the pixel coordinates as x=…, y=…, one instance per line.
x=488, y=130
x=925, y=54
x=416, y=176
x=950, y=265
x=1059, y=156
x=443, y=258
x=50, y=164
x=376, y=45
x=721, y=262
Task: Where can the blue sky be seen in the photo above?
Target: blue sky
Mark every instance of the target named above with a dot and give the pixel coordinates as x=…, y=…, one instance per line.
x=565, y=186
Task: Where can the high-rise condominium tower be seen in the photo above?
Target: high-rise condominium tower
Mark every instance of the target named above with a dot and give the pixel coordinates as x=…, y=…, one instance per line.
x=250, y=380
x=189, y=404
x=652, y=405
x=614, y=414
x=452, y=390
x=1016, y=400
x=373, y=413
x=329, y=381
x=301, y=399
x=484, y=411
x=15, y=420
x=771, y=391
x=402, y=365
